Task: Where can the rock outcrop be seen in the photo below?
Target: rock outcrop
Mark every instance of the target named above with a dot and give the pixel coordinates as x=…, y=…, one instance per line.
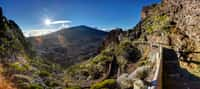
x=113, y=37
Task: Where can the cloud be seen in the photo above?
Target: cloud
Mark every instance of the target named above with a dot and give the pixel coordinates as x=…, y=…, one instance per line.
x=60, y=22
x=50, y=22
x=38, y=32
x=107, y=29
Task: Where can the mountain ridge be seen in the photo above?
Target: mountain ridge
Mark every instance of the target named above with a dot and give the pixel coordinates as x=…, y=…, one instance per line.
x=83, y=40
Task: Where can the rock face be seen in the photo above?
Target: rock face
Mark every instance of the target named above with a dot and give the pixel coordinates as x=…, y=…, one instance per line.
x=181, y=32
x=183, y=14
x=113, y=37
x=147, y=11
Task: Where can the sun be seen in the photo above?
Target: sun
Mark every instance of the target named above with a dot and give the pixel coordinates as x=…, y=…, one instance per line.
x=47, y=22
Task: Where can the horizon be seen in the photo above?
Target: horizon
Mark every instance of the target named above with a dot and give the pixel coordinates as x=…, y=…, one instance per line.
x=53, y=15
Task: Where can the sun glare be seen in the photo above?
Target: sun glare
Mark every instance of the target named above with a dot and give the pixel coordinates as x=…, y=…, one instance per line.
x=47, y=22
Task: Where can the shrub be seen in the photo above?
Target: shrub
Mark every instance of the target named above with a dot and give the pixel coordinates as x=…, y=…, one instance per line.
x=35, y=86
x=128, y=52
x=51, y=83
x=102, y=58
x=74, y=87
x=154, y=23
x=43, y=73
x=139, y=84
x=142, y=72
x=19, y=67
x=125, y=82
x=106, y=84
x=20, y=77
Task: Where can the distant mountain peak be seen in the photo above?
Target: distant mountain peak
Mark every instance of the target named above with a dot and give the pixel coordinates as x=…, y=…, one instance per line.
x=71, y=44
x=82, y=27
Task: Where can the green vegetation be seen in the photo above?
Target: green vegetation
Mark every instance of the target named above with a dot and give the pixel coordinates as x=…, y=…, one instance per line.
x=35, y=86
x=92, y=67
x=22, y=78
x=19, y=66
x=74, y=87
x=103, y=58
x=155, y=23
x=23, y=81
x=106, y=84
x=142, y=72
x=43, y=73
x=143, y=62
x=126, y=52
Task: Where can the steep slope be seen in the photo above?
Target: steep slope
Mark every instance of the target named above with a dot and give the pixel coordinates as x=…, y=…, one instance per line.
x=70, y=45
x=173, y=24
x=20, y=66
x=12, y=49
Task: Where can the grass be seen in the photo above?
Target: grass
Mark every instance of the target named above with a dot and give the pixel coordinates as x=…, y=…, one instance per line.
x=35, y=86
x=106, y=84
x=74, y=87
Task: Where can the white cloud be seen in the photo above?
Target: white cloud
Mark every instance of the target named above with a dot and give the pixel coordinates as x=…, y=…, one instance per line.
x=61, y=22
x=52, y=27
x=38, y=32
x=50, y=22
x=107, y=29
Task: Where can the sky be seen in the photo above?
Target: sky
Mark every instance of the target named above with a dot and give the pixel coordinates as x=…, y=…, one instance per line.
x=53, y=14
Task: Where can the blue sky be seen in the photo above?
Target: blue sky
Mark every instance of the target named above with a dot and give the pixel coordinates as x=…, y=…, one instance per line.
x=31, y=14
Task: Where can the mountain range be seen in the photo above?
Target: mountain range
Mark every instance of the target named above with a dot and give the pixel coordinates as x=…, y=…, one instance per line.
x=70, y=45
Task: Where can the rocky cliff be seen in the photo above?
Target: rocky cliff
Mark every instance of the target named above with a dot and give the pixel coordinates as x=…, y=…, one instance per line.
x=172, y=24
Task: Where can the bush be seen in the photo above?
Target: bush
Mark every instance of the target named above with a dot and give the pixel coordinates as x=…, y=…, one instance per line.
x=20, y=77
x=125, y=82
x=102, y=58
x=44, y=73
x=19, y=67
x=51, y=83
x=74, y=87
x=106, y=84
x=154, y=23
x=35, y=86
x=128, y=51
x=139, y=84
x=142, y=72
